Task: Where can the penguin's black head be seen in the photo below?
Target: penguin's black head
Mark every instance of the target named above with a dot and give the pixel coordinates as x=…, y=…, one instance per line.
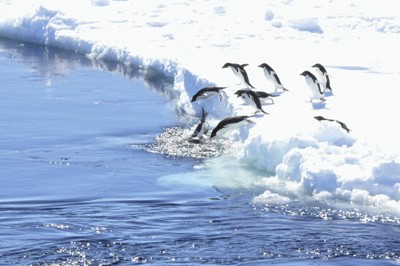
x=265, y=65
x=240, y=92
x=227, y=65
x=319, y=118
x=306, y=73
x=320, y=67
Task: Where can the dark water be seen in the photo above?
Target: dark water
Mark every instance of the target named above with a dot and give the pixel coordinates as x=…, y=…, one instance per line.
x=79, y=188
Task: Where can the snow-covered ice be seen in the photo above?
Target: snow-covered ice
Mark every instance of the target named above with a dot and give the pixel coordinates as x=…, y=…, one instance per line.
x=300, y=157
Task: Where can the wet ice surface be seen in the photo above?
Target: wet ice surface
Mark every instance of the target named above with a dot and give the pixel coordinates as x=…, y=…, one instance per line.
x=79, y=186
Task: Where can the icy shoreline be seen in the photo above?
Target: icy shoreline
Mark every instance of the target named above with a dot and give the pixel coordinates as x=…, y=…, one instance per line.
x=309, y=158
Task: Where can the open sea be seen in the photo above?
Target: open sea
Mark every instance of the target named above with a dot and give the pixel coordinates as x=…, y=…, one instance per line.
x=82, y=183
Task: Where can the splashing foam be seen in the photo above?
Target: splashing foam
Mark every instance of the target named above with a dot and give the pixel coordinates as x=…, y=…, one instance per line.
x=176, y=142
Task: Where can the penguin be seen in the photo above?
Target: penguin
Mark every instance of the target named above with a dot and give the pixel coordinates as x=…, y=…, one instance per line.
x=230, y=123
x=265, y=95
x=271, y=75
x=208, y=92
x=200, y=131
x=251, y=98
x=261, y=94
x=323, y=76
x=240, y=72
x=343, y=125
x=314, y=85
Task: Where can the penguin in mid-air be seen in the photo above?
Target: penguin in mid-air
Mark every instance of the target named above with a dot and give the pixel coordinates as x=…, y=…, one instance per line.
x=251, y=98
x=271, y=75
x=230, y=123
x=200, y=131
x=323, y=76
x=208, y=92
x=316, y=92
x=343, y=125
x=240, y=72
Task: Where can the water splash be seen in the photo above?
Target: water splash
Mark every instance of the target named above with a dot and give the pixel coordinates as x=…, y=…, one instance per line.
x=177, y=142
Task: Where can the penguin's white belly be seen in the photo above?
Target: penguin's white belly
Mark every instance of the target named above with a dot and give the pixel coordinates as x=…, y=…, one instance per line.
x=246, y=98
x=315, y=93
x=230, y=127
x=321, y=77
x=211, y=93
x=269, y=76
x=238, y=74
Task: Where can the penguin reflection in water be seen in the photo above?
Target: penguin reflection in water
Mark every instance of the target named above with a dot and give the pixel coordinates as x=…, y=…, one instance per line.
x=229, y=124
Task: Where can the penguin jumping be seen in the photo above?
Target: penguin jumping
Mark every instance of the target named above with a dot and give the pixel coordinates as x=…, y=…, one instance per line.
x=315, y=87
x=343, y=125
x=200, y=131
x=208, y=92
x=271, y=75
x=251, y=98
x=323, y=76
x=240, y=72
x=229, y=124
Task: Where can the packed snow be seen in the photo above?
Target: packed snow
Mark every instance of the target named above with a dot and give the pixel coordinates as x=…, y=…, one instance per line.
x=300, y=157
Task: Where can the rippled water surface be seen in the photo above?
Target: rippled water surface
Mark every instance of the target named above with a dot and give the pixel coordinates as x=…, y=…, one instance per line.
x=88, y=177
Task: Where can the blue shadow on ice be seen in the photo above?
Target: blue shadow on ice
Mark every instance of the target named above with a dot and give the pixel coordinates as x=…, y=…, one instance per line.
x=318, y=105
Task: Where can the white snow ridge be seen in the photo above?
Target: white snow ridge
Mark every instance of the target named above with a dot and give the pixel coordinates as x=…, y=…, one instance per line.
x=299, y=157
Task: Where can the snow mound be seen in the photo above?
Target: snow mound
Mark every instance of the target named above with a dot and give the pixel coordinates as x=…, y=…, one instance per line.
x=306, y=24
